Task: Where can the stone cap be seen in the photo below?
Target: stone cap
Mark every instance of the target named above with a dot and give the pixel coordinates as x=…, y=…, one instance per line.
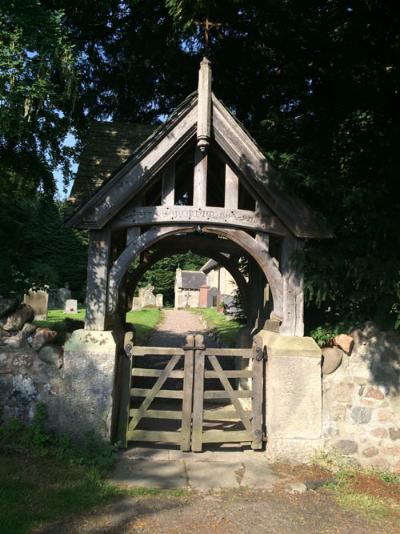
x=294, y=346
x=96, y=341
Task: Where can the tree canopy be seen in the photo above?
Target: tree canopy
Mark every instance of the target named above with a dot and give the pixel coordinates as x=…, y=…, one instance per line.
x=316, y=83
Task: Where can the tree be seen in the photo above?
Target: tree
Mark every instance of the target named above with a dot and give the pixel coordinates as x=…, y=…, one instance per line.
x=323, y=79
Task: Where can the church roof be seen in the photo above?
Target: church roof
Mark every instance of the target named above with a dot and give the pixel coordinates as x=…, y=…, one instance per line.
x=193, y=279
x=108, y=146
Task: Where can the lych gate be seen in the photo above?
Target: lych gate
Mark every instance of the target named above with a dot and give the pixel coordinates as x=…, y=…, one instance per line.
x=199, y=183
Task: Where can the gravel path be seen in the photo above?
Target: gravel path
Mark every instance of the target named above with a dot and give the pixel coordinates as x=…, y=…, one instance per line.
x=174, y=328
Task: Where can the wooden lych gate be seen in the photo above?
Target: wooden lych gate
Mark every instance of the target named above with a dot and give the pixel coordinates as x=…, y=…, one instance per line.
x=200, y=183
x=206, y=401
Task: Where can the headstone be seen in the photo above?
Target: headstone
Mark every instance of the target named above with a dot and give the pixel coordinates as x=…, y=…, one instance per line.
x=71, y=306
x=63, y=294
x=147, y=296
x=38, y=300
x=136, y=303
x=159, y=300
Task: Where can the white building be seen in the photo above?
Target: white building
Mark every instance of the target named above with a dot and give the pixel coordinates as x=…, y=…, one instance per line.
x=204, y=288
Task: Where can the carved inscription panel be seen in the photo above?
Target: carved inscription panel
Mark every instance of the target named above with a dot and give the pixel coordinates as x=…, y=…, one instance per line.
x=131, y=216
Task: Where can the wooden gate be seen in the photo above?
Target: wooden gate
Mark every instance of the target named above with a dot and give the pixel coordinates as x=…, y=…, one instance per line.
x=198, y=394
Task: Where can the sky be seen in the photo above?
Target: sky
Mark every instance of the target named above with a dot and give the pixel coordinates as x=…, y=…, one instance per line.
x=70, y=140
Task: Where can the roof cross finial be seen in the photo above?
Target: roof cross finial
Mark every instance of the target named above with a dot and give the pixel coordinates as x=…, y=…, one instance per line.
x=207, y=26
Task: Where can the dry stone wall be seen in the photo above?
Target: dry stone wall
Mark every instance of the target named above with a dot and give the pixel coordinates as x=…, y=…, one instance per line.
x=30, y=367
x=361, y=401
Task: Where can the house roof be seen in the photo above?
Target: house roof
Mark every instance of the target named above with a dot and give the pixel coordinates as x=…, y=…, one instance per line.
x=193, y=279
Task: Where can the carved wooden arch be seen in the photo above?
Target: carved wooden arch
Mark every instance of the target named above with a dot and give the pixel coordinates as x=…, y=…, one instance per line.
x=253, y=247
x=222, y=259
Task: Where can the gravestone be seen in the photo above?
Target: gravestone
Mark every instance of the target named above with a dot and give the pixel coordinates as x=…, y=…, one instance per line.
x=136, y=303
x=63, y=294
x=71, y=306
x=38, y=300
x=58, y=297
x=159, y=300
x=146, y=298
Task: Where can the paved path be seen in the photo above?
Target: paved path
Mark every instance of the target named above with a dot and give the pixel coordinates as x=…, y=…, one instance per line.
x=174, y=328
x=168, y=468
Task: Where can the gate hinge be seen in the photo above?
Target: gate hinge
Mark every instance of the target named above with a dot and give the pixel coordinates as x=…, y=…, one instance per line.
x=128, y=349
x=260, y=354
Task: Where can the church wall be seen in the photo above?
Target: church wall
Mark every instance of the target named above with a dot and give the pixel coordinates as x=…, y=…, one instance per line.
x=227, y=284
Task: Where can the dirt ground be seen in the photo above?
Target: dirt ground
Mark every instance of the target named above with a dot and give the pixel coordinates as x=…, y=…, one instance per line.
x=234, y=511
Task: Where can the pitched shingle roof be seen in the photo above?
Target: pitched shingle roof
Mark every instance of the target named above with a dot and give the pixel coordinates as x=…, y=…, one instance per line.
x=193, y=279
x=108, y=146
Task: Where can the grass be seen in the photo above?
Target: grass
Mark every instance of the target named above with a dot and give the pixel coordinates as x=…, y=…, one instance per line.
x=44, y=478
x=144, y=321
x=36, y=490
x=227, y=330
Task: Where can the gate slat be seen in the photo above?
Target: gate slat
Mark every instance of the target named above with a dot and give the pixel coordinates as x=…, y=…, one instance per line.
x=226, y=436
x=159, y=414
x=232, y=394
x=162, y=393
x=223, y=394
x=197, y=429
x=153, y=392
x=222, y=415
x=187, y=403
x=154, y=435
x=229, y=374
x=243, y=353
x=136, y=371
x=156, y=351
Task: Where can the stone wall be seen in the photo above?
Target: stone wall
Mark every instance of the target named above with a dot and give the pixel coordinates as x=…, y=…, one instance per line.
x=361, y=401
x=186, y=298
x=30, y=367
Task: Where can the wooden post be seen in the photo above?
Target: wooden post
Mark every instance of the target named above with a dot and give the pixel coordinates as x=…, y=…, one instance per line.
x=97, y=274
x=198, y=395
x=231, y=188
x=187, y=403
x=204, y=104
x=200, y=178
x=258, y=393
x=168, y=186
x=132, y=233
x=293, y=293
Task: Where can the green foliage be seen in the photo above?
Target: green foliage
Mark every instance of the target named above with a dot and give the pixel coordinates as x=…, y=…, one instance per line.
x=16, y=437
x=44, y=477
x=324, y=334
x=38, y=81
x=48, y=254
x=162, y=274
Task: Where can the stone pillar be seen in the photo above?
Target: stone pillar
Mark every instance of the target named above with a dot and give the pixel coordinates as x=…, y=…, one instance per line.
x=89, y=377
x=293, y=397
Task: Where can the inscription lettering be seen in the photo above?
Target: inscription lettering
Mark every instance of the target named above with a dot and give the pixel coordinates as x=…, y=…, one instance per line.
x=132, y=216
